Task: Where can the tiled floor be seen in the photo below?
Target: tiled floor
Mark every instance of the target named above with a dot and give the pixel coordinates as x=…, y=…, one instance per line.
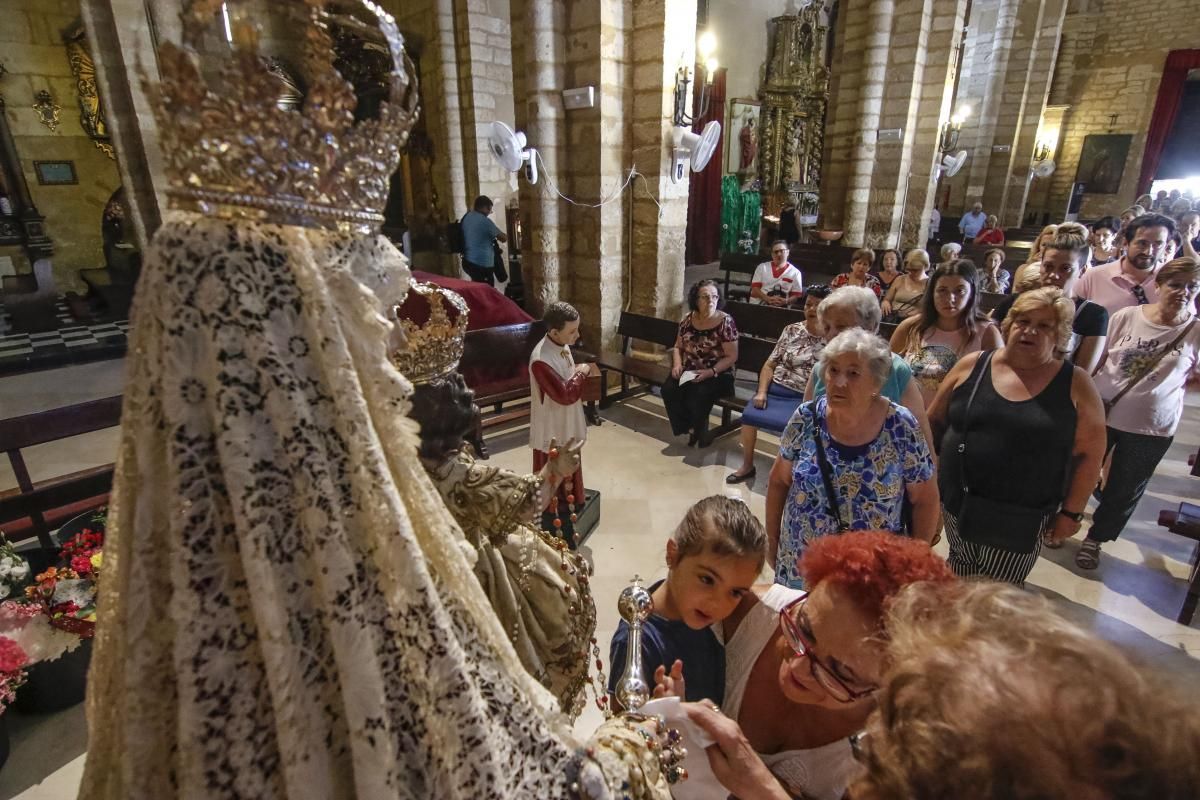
x=647, y=480
x=73, y=342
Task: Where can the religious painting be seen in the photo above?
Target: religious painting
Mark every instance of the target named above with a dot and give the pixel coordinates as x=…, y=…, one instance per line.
x=1102, y=162
x=742, y=142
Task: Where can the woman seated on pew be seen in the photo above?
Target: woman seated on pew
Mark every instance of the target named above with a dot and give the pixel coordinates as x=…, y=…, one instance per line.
x=903, y=297
x=994, y=279
x=860, y=273
x=782, y=380
x=889, y=268
x=1035, y=252
x=702, y=364
x=991, y=233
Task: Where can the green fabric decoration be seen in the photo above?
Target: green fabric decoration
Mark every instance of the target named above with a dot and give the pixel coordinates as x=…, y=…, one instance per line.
x=741, y=212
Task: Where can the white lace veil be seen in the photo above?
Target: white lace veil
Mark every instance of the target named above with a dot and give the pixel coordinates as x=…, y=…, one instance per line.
x=287, y=608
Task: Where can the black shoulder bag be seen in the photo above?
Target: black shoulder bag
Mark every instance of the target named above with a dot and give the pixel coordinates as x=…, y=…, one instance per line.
x=995, y=523
x=835, y=508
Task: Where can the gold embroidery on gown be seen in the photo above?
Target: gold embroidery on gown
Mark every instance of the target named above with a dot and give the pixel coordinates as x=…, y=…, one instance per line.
x=537, y=586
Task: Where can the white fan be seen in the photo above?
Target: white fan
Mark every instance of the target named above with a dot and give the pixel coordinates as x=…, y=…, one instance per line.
x=1044, y=169
x=508, y=146
x=695, y=148
x=951, y=164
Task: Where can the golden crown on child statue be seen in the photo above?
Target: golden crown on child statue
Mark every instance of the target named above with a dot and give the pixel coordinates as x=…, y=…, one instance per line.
x=434, y=321
x=234, y=150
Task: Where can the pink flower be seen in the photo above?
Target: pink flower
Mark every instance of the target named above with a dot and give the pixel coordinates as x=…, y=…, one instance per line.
x=12, y=657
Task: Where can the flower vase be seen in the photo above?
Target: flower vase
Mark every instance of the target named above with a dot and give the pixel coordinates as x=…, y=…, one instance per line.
x=58, y=684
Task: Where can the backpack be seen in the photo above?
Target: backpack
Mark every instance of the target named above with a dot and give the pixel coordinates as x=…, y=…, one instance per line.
x=454, y=237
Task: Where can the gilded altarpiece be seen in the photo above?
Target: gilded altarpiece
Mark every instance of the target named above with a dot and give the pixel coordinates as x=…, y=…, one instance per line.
x=794, y=92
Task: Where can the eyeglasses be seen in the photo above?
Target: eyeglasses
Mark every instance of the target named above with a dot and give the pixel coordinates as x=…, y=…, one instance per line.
x=802, y=644
x=1140, y=295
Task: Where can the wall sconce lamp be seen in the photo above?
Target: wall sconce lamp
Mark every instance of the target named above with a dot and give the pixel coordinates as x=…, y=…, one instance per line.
x=1041, y=151
x=706, y=45
x=948, y=140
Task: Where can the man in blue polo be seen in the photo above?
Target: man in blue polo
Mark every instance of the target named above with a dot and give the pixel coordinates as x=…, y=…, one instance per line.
x=479, y=233
x=972, y=223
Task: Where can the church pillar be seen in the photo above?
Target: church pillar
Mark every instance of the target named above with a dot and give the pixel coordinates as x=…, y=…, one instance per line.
x=611, y=246
x=880, y=192
x=663, y=30
x=540, y=48
x=872, y=81
x=1037, y=92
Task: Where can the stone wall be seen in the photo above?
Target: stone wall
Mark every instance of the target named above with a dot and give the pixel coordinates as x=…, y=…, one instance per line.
x=31, y=46
x=1110, y=64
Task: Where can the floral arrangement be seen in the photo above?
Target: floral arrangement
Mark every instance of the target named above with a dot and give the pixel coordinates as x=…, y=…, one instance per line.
x=14, y=571
x=12, y=670
x=67, y=593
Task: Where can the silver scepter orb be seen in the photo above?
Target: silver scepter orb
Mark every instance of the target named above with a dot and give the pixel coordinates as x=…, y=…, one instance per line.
x=634, y=605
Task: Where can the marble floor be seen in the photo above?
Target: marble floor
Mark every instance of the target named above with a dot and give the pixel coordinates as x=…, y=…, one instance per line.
x=647, y=480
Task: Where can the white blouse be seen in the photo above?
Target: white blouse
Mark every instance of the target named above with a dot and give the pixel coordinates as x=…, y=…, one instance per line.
x=821, y=773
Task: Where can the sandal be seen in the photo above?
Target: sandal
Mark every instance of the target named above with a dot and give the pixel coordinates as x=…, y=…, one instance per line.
x=1088, y=556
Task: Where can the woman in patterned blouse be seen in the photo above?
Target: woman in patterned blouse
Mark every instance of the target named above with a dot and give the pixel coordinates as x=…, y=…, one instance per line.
x=782, y=380
x=848, y=460
x=702, y=362
x=860, y=273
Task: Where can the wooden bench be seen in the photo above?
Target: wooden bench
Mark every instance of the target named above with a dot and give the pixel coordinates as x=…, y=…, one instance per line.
x=752, y=354
x=762, y=321
x=1186, y=522
x=739, y=270
x=635, y=327
x=36, y=509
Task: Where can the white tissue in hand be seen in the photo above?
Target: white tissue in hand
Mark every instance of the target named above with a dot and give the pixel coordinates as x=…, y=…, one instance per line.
x=701, y=784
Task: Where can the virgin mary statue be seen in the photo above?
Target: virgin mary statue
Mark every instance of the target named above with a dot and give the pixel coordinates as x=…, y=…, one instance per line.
x=289, y=610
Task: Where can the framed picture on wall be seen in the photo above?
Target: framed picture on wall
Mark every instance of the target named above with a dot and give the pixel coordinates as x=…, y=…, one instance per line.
x=55, y=173
x=741, y=148
x=1102, y=162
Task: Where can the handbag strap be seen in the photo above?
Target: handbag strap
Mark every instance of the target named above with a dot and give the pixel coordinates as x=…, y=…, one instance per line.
x=826, y=471
x=985, y=364
x=1152, y=364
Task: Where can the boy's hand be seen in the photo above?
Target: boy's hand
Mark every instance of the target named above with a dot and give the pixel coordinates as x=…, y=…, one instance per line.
x=669, y=685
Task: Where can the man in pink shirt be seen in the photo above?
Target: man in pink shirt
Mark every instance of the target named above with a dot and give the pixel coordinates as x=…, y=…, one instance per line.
x=1129, y=281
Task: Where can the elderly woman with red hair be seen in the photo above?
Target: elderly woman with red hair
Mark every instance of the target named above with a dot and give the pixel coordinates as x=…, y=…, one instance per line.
x=802, y=668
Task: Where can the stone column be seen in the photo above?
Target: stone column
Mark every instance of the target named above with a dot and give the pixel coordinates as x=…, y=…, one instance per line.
x=538, y=38
x=659, y=228
x=880, y=193
x=869, y=106
x=1037, y=91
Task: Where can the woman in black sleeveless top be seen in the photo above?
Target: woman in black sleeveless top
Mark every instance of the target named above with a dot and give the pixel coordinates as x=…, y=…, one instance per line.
x=1022, y=430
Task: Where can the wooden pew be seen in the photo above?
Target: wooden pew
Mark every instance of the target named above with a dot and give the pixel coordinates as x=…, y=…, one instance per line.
x=33, y=510
x=1186, y=522
x=495, y=365
x=739, y=269
x=631, y=328
x=752, y=354
x=762, y=321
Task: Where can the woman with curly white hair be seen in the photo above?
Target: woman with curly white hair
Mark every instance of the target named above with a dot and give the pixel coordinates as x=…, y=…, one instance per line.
x=848, y=460
x=1021, y=435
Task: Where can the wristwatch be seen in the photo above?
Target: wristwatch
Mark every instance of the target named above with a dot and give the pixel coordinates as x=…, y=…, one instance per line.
x=1071, y=515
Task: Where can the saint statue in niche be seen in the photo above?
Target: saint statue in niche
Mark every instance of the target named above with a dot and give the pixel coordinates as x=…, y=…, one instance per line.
x=748, y=137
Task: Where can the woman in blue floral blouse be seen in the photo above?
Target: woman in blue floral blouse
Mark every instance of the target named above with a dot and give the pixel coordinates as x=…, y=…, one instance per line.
x=848, y=460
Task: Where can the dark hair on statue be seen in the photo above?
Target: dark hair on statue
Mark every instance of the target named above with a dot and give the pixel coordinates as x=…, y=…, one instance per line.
x=694, y=293
x=723, y=525
x=1148, y=221
x=445, y=410
x=559, y=314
